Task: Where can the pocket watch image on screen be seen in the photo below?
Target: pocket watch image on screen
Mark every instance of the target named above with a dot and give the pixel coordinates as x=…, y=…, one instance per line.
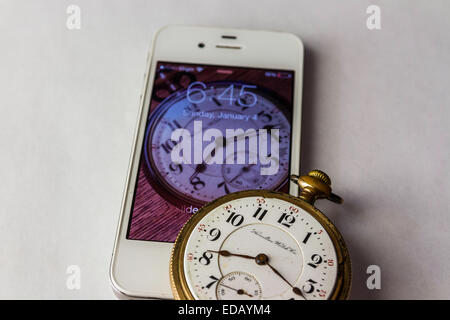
x=260, y=244
x=224, y=105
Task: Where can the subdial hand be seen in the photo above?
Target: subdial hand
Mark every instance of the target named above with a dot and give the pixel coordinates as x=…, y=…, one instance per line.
x=238, y=291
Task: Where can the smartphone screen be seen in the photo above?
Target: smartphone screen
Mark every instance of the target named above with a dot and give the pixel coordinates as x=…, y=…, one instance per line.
x=211, y=130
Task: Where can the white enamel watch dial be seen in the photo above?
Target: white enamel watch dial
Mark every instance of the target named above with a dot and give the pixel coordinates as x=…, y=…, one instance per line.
x=268, y=247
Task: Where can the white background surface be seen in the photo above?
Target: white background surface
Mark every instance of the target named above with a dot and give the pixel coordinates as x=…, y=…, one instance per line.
x=376, y=118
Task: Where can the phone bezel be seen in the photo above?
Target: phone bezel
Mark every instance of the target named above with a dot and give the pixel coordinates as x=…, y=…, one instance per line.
x=137, y=269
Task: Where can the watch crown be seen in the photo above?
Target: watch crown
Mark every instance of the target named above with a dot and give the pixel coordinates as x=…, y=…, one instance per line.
x=315, y=185
x=320, y=175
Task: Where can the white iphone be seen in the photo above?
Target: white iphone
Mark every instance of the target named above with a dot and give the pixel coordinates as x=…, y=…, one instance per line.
x=220, y=113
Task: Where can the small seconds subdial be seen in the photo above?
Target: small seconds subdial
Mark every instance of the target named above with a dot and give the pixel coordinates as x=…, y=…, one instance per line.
x=238, y=286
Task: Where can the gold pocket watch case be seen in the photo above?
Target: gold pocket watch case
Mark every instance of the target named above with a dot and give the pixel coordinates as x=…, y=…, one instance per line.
x=261, y=244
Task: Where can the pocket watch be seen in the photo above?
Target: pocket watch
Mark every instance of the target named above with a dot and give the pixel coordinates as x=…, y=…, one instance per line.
x=260, y=244
x=213, y=103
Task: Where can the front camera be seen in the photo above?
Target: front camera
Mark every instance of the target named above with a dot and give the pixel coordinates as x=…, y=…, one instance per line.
x=201, y=45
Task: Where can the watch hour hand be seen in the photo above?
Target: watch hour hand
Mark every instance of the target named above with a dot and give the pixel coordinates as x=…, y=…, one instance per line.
x=226, y=253
x=198, y=169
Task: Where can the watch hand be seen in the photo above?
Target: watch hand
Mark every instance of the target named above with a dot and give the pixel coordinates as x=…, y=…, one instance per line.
x=243, y=170
x=198, y=169
x=263, y=259
x=201, y=167
x=224, y=143
x=225, y=253
x=216, y=145
x=242, y=291
x=239, y=291
x=296, y=290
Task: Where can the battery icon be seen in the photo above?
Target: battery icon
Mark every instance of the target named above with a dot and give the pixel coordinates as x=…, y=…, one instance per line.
x=284, y=75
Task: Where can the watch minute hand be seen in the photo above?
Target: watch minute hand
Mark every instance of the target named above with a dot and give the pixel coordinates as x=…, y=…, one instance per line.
x=296, y=290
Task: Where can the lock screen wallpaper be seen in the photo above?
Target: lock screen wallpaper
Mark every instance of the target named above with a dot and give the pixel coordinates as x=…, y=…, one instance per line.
x=210, y=131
